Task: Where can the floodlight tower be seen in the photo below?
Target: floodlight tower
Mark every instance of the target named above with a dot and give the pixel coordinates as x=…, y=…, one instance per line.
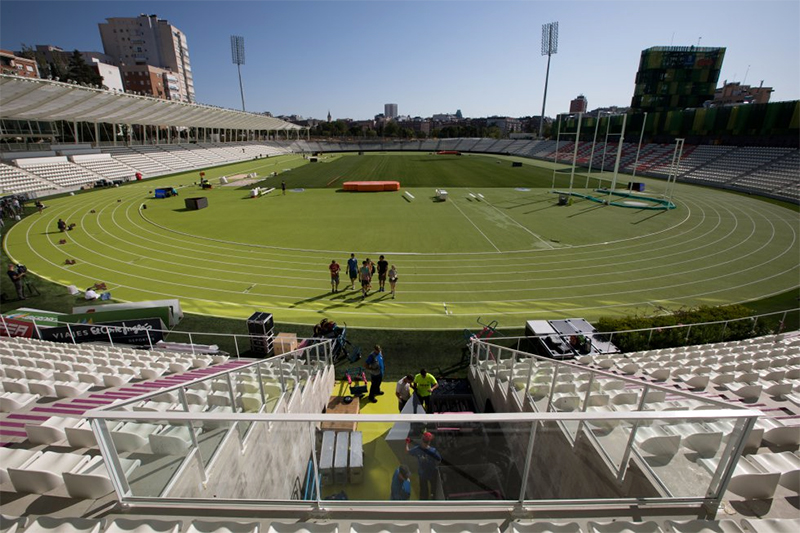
x=237, y=52
x=549, y=47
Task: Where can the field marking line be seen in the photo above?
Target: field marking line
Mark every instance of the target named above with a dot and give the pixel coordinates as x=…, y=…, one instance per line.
x=453, y=203
x=514, y=221
x=434, y=254
x=117, y=207
x=749, y=209
x=333, y=180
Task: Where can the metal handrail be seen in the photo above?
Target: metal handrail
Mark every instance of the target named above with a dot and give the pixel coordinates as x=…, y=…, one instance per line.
x=661, y=328
x=608, y=374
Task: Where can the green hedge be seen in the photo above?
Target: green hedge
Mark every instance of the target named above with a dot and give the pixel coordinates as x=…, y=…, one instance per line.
x=663, y=336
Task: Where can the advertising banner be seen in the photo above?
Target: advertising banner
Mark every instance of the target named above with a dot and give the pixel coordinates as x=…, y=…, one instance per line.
x=42, y=318
x=16, y=328
x=175, y=316
x=47, y=319
x=125, y=332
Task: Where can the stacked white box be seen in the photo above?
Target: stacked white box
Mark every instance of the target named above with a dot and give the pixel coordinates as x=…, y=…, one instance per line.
x=356, y=457
x=340, y=459
x=326, y=457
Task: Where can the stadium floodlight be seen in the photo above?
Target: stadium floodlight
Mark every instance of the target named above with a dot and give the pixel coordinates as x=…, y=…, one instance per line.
x=549, y=47
x=237, y=52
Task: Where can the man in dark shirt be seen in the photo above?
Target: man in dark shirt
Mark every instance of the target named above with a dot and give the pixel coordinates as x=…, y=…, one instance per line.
x=16, y=279
x=383, y=268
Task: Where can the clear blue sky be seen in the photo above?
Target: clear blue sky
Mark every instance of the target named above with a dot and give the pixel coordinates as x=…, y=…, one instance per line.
x=483, y=57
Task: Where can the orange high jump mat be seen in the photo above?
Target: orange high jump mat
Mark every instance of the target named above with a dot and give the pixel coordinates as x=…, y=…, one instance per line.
x=371, y=186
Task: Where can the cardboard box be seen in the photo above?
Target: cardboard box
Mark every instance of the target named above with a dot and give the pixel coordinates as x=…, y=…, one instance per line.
x=285, y=342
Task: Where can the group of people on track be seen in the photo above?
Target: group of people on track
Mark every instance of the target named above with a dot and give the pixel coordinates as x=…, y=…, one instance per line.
x=364, y=274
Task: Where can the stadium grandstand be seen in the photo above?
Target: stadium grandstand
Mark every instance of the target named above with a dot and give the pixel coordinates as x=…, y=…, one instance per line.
x=193, y=141
x=183, y=438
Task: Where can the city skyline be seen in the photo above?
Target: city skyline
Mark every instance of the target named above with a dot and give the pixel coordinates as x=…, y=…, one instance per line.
x=434, y=56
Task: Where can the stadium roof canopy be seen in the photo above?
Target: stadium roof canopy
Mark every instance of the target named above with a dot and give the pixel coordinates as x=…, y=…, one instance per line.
x=45, y=100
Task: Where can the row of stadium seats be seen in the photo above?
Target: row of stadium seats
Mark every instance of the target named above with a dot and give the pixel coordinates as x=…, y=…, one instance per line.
x=14, y=180
x=59, y=452
x=769, y=364
x=762, y=170
x=47, y=524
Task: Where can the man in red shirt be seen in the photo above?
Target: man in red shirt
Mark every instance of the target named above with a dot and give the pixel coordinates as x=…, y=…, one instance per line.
x=334, y=268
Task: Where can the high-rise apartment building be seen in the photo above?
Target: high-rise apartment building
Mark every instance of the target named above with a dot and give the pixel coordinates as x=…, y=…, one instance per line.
x=390, y=111
x=579, y=104
x=676, y=77
x=148, y=40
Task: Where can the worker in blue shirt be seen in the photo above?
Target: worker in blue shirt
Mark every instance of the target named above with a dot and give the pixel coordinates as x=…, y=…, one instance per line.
x=376, y=369
x=429, y=459
x=352, y=270
x=401, y=483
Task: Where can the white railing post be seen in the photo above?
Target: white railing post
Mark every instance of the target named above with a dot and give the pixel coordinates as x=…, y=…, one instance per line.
x=552, y=388
x=116, y=474
x=623, y=465
x=316, y=469
x=726, y=467
x=528, y=458
x=193, y=436
x=71, y=336
x=261, y=386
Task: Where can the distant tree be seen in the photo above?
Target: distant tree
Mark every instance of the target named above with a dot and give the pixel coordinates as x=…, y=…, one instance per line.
x=371, y=134
x=420, y=134
x=339, y=128
x=79, y=71
x=493, y=132
x=391, y=129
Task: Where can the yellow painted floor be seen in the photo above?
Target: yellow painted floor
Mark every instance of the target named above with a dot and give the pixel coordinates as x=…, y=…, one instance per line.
x=380, y=461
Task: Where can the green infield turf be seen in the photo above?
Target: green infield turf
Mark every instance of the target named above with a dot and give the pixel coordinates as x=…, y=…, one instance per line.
x=499, y=247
